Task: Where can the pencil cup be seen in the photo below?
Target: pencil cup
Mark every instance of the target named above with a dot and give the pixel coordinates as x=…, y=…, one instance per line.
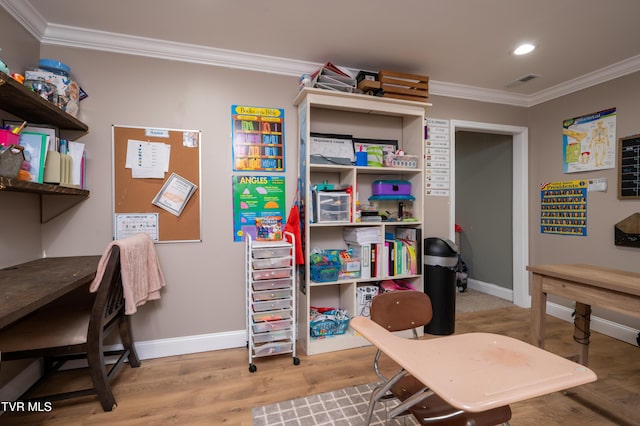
x=361, y=158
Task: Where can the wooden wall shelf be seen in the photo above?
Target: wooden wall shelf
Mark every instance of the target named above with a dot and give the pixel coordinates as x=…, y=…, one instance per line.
x=27, y=105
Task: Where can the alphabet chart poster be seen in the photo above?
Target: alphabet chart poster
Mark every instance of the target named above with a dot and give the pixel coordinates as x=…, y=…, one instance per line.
x=258, y=138
x=258, y=207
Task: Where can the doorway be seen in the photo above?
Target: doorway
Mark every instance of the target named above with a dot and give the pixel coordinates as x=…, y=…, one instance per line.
x=520, y=222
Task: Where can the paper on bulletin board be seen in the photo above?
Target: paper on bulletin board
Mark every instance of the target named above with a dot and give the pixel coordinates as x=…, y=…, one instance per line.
x=588, y=142
x=129, y=224
x=255, y=198
x=147, y=159
x=174, y=194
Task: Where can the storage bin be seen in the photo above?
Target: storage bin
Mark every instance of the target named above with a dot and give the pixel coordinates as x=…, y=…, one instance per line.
x=271, y=284
x=263, y=253
x=391, y=187
x=272, y=336
x=272, y=305
x=272, y=348
x=325, y=273
x=261, y=327
x=331, y=206
x=269, y=274
x=261, y=296
x=284, y=314
x=325, y=265
x=271, y=263
x=328, y=327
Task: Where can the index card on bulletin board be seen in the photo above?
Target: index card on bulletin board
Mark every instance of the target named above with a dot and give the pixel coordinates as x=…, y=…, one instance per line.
x=135, y=195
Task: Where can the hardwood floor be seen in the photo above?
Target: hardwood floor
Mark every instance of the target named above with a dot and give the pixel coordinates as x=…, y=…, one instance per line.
x=216, y=388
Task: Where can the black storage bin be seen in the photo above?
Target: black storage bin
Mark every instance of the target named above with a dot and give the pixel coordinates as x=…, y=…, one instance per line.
x=440, y=259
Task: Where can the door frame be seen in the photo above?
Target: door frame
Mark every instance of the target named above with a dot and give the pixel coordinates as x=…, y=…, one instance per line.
x=520, y=210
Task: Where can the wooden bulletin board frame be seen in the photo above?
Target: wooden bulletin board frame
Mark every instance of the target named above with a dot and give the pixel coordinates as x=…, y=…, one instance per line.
x=629, y=167
x=135, y=195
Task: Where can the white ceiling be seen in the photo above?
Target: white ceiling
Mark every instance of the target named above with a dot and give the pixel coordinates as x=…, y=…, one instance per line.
x=464, y=46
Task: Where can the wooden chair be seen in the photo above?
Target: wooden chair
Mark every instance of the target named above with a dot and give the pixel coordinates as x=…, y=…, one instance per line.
x=409, y=310
x=76, y=328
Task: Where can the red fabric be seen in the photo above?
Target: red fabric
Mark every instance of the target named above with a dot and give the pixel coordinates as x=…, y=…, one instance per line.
x=293, y=226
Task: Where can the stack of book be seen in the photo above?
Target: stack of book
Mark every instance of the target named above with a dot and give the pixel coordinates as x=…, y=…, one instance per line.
x=331, y=77
x=364, y=243
x=402, y=252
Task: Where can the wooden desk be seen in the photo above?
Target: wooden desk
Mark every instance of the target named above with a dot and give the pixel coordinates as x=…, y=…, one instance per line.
x=477, y=371
x=587, y=285
x=31, y=285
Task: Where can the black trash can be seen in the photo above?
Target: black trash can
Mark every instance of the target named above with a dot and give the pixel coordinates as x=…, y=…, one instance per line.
x=440, y=259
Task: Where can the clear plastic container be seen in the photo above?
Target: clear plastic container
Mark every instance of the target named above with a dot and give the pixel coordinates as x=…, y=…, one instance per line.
x=271, y=284
x=272, y=336
x=272, y=305
x=271, y=263
x=282, y=293
x=284, y=314
x=270, y=274
x=261, y=327
x=272, y=348
x=263, y=253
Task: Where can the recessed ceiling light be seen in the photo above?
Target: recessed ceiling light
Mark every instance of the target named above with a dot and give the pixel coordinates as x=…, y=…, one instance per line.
x=523, y=49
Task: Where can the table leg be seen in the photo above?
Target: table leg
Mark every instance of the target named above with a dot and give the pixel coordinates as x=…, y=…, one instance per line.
x=538, y=311
x=582, y=331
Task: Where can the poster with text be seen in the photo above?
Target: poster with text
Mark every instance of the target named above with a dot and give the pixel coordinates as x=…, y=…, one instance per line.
x=563, y=208
x=258, y=207
x=258, y=138
x=588, y=142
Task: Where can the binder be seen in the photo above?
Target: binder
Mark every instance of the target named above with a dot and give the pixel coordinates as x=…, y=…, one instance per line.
x=363, y=252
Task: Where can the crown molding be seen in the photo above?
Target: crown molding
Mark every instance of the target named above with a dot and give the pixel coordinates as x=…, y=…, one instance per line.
x=61, y=35
x=27, y=16
x=610, y=72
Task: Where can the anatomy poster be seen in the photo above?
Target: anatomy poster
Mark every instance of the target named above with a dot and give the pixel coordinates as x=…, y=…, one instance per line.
x=563, y=208
x=588, y=142
x=258, y=207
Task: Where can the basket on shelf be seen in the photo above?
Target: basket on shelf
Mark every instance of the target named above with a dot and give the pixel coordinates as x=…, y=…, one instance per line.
x=325, y=266
x=329, y=323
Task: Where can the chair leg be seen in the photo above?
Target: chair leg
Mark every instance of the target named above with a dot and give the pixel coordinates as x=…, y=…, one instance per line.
x=124, y=327
x=97, y=370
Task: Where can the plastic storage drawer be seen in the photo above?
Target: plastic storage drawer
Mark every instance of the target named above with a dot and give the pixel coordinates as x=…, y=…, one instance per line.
x=261, y=327
x=271, y=263
x=270, y=274
x=271, y=284
x=272, y=348
x=332, y=207
x=272, y=315
x=264, y=253
x=282, y=293
x=272, y=336
x=272, y=305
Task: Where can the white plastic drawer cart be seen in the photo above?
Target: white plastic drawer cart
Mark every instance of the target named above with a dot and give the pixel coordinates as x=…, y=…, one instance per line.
x=271, y=298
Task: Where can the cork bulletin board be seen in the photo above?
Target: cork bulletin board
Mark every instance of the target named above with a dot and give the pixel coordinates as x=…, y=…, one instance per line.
x=161, y=157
